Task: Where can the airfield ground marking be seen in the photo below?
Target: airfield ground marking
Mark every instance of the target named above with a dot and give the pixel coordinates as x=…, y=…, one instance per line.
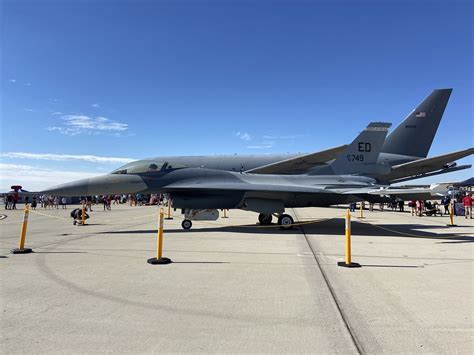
x=83, y=236
x=399, y=232
x=339, y=307
x=47, y=215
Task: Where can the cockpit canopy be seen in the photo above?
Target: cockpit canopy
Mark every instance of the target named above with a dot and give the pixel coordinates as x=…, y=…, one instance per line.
x=145, y=166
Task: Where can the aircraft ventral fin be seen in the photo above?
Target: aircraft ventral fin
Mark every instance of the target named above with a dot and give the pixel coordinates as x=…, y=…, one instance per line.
x=299, y=164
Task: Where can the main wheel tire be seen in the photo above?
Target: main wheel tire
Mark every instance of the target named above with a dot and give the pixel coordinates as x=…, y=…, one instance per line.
x=265, y=219
x=285, y=221
x=186, y=224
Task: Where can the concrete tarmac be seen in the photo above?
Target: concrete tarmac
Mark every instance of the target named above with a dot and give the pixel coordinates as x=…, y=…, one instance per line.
x=235, y=286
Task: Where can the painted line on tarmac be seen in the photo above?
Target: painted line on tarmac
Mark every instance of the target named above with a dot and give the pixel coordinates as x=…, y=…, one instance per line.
x=397, y=232
x=3, y=216
x=338, y=304
x=83, y=236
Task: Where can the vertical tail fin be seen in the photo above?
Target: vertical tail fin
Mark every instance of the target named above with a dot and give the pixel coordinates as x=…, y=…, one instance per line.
x=413, y=137
x=362, y=154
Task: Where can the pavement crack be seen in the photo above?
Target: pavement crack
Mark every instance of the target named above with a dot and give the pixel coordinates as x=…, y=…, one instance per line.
x=345, y=320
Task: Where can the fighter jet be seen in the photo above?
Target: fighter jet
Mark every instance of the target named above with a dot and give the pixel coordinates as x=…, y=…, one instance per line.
x=403, y=155
x=201, y=192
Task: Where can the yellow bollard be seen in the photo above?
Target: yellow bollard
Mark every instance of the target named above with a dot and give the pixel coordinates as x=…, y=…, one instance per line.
x=21, y=248
x=159, y=243
x=348, y=237
x=83, y=218
x=361, y=210
x=225, y=214
x=451, y=216
x=348, y=259
x=169, y=210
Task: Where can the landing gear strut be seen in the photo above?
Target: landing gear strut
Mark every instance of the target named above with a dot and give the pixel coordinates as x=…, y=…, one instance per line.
x=285, y=221
x=265, y=219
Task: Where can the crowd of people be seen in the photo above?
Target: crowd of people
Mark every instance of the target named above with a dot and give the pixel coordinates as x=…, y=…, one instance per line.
x=461, y=204
x=418, y=208
x=132, y=199
x=59, y=202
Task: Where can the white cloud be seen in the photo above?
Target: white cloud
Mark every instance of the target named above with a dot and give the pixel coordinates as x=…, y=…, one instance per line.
x=95, y=105
x=244, y=136
x=66, y=157
x=12, y=80
x=27, y=84
x=279, y=137
x=29, y=110
x=57, y=113
x=79, y=124
x=34, y=179
x=262, y=146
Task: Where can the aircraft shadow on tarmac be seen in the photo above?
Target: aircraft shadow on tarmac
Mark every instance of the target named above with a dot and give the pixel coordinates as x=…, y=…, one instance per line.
x=333, y=227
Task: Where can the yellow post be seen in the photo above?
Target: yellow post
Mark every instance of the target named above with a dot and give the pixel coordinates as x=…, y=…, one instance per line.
x=451, y=216
x=348, y=237
x=361, y=210
x=348, y=260
x=159, y=237
x=225, y=213
x=159, y=259
x=21, y=247
x=83, y=214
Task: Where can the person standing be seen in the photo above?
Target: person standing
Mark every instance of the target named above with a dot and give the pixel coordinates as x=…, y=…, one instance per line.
x=401, y=205
x=89, y=203
x=34, y=202
x=63, y=202
x=445, y=202
x=8, y=199
x=15, y=200
x=419, y=208
x=467, y=202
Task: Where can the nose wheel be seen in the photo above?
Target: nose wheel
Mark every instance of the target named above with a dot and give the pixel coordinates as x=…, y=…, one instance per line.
x=186, y=224
x=285, y=221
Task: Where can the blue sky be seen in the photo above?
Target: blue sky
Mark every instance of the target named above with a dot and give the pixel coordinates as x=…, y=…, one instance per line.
x=86, y=81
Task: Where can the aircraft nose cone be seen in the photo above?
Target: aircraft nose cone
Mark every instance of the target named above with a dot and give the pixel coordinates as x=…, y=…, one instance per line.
x=75, y=188
x=100, y=185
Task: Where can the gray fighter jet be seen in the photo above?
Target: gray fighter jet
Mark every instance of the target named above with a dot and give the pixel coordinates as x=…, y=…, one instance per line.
x=403, y=155
x=200, y=192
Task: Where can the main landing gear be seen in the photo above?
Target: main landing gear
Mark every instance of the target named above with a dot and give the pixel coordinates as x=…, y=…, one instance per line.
x=265, y=219
x=284, y=220
x=186, y=224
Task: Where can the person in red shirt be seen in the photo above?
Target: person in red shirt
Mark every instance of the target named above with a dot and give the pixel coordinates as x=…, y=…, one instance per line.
x=467, y=202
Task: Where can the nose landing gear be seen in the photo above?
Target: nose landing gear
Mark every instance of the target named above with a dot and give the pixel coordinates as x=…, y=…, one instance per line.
x=186, y=224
